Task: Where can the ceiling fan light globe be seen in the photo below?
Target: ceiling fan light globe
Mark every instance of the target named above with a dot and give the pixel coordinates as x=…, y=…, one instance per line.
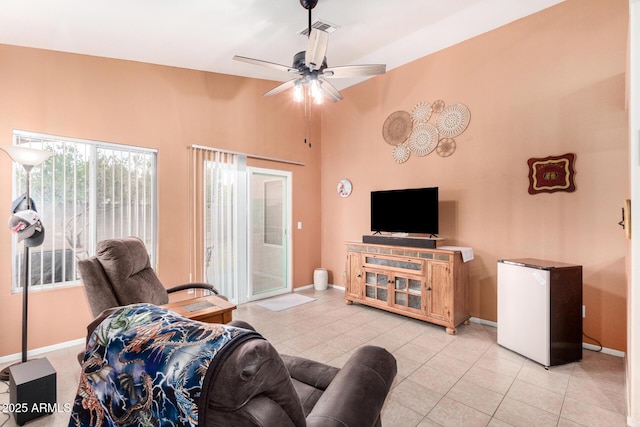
x=315, y=89
x=298, y=93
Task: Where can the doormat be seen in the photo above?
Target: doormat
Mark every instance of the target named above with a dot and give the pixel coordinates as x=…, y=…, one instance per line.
x=285, y=301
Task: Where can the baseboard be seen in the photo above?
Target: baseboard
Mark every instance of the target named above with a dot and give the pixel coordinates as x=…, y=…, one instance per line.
x=604, y=350
x=301, y=288
x=42, y=350
x=483, y=322
x=585, y=345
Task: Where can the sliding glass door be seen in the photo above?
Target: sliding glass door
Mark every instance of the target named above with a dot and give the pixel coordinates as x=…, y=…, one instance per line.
x=269, y=237
x=241, y=218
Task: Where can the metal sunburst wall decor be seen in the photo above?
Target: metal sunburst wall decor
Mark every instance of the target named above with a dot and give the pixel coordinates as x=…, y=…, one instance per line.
x=412, y=134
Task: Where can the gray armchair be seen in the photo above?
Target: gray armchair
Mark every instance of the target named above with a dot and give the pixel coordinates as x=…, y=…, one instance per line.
x=162, y=368
x=120, y=274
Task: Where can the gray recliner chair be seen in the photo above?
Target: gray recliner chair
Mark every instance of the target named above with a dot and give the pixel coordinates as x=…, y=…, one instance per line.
x=120, y=274
x=251, y=388
x=243, y=383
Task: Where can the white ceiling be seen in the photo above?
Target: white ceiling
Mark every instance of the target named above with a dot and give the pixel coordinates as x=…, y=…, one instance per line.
x=205, y=34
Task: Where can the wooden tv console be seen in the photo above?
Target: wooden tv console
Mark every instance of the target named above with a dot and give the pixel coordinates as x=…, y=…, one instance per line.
x=426, y=284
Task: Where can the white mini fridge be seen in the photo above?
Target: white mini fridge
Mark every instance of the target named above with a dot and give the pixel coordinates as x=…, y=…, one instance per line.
x=540, y=310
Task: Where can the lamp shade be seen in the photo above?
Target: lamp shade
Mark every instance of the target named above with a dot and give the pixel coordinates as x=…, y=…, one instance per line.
x=27, y=157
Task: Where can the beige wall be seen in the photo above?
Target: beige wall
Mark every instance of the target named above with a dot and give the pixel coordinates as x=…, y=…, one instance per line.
x=549, y=84
x=151, y=106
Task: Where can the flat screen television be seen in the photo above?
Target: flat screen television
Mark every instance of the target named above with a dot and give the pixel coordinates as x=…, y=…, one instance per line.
x=412, y=210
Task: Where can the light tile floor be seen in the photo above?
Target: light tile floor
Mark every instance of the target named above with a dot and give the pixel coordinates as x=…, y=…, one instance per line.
x=443, y=380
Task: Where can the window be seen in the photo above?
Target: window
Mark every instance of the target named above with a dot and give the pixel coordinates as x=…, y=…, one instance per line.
x=86, y=192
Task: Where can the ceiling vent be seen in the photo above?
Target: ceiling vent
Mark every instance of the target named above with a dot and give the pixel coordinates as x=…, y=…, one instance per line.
x=321, y=25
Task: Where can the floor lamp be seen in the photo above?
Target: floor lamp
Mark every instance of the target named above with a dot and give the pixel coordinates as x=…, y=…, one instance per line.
x=28, y=158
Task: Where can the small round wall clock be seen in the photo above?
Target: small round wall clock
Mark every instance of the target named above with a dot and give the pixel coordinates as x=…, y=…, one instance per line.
x=344, y=188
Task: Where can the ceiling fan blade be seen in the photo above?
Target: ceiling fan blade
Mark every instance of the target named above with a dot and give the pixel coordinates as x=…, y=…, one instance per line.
x=316, y=49
x=265, y=64
x=330, y=92
x=346, y=71
x=284, y=86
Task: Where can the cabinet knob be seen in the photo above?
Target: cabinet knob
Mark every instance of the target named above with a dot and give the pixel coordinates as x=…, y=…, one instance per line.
x=429, y=288
x=359, y=275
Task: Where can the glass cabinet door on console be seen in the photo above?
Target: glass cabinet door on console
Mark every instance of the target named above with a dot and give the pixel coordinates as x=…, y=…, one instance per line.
x=407, y=293
x=376, y=285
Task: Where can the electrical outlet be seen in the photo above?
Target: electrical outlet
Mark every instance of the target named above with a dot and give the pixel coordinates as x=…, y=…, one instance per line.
x=584, y=311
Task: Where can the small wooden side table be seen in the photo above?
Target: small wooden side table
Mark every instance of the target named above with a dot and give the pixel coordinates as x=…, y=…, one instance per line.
x=209, y=309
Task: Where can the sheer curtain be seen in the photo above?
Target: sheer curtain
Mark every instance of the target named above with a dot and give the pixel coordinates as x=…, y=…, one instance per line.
x=217, y=218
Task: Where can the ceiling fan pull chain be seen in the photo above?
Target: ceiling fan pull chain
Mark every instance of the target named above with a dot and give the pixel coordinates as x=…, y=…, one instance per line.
x=308, y=114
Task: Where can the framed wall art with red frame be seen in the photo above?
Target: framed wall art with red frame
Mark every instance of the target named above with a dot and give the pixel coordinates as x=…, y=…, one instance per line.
x=551, y=174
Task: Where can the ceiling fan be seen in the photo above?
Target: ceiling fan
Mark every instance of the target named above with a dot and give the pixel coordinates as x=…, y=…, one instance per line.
x=311, y=67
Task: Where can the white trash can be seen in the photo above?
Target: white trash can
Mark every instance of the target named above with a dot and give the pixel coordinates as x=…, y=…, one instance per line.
x=320, y=279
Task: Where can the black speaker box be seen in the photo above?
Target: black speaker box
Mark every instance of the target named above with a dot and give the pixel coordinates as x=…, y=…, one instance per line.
x=412, y=242
x=32, y=390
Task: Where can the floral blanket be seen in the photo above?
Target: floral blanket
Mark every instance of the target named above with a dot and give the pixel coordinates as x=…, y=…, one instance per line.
x=145, y=365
